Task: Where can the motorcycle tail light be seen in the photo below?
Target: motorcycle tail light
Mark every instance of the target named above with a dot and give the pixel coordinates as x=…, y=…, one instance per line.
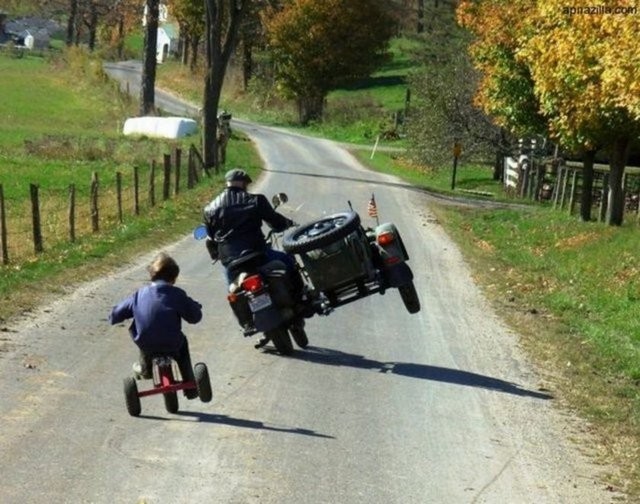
x=252, y=283
x=385, y=238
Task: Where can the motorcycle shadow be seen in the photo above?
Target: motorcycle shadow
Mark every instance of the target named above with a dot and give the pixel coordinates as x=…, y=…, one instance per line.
x=330, y=357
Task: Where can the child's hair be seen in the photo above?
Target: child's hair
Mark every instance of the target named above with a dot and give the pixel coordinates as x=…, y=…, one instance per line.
x=164, y=268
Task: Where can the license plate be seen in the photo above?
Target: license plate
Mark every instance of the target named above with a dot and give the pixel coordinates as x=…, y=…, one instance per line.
x=259, y=302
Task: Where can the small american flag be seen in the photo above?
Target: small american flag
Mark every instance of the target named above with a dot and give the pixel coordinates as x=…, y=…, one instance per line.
x=372, y=208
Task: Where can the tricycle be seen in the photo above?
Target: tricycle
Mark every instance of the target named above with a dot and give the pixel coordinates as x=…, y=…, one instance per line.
x=165, y=375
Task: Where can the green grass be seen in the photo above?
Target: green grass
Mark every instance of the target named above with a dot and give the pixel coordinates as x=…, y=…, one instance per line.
x=61, y=135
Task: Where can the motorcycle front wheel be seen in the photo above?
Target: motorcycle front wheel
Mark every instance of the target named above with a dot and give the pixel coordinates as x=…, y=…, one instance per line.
x=299, y=336
x=281, y=340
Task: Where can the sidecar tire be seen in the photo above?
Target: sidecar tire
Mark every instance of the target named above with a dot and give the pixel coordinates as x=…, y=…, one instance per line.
x=131, y=397
x=203, y=382
x=410, y=297
x=171, y=402
x=296, y=242
x=281, y=340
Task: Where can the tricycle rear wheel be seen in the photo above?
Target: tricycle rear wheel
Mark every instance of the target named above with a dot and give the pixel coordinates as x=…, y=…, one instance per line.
x=131, y=396
x=203, y=382
x=410, y=297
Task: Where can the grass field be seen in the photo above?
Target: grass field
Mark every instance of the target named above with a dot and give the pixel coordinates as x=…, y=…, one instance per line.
x=64, y=125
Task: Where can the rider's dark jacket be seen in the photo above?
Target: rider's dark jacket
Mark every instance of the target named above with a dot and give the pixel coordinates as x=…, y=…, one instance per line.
x=234, y=221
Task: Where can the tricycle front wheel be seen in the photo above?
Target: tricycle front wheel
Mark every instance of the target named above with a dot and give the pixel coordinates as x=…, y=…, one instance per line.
x=171, y=403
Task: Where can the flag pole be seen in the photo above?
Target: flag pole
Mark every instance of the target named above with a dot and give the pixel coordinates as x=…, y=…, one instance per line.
x=372, y=209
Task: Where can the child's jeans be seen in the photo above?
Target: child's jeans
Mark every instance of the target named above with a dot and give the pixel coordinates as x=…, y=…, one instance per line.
x=182, y=358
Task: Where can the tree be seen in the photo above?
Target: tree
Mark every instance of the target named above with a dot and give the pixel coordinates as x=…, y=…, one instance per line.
x=506, y=88
x=320, y=45
x=442, y=112
x=149, y=62
x=190, y=15
x=587, y=86
x=223, y=19
x=568, y=70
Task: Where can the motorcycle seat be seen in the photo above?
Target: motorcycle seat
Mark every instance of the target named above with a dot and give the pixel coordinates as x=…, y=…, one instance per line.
x=245, y=258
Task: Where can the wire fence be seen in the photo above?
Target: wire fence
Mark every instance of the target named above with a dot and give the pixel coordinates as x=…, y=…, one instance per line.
x=49, y=217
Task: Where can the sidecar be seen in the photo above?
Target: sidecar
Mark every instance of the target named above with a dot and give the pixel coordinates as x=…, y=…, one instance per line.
x=346, y=262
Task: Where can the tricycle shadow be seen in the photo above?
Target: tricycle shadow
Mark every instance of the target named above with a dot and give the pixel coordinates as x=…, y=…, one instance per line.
x=214, y=418
x=332, y=357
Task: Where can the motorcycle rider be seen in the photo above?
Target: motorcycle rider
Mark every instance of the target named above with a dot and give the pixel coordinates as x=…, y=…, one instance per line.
x=234, y=225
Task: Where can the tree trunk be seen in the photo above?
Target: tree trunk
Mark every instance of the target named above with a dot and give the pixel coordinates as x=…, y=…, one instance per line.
x=310, y=108
x=420, y=9
x=195, y=42
x=586, y=197
x=71, y=21
x=93, y=27
x=147, y=85
x=185, y=40
x=615, y=207
x=120, y=37
x=218, y=53
x=247, y=63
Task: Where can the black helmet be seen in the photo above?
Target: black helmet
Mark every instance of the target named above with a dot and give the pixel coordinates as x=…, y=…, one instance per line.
x=237, y=175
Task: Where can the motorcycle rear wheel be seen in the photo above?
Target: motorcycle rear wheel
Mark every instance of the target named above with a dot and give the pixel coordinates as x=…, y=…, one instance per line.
x=281, y=340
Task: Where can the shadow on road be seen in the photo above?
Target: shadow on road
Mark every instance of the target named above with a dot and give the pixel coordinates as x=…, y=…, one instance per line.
x=451, y=200
x=331, y=357
x=238, y=422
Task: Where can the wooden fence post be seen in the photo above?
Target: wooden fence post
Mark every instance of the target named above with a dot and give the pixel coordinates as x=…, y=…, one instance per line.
x=190, y=170
x=178, y=159
x=95, y=217
x=565, y=183
x=3, y=229
x=35, y=217
x=558, y=185
x=604, y=198
x=152, y=184
x=136, y=191
x=540, y=167
x=574, y=190
x=119, y=195
x=72, y=213
x=166, y=182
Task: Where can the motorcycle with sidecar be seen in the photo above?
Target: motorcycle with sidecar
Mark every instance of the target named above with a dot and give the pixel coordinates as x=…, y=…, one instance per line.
x=339, y=260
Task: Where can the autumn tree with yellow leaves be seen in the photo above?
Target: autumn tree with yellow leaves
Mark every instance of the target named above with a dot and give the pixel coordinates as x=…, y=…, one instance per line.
x=580, y=71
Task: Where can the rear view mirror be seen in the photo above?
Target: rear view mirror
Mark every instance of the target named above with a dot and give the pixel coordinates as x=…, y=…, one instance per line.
x=279, y=199
x=200, y=233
